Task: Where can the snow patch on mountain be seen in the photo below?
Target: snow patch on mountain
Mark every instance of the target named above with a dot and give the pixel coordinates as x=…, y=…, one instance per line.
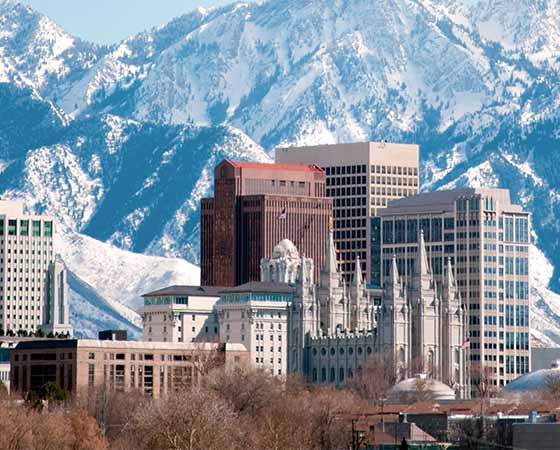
x=545, y=320
x=121, y=277
x=53, y=176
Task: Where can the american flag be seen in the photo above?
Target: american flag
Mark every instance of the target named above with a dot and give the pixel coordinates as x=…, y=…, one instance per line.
x=466, y=343
x=282, y=215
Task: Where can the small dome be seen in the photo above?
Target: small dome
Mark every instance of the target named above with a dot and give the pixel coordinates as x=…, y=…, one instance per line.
x=420, y=388
x=533, y=381
x=285, y=249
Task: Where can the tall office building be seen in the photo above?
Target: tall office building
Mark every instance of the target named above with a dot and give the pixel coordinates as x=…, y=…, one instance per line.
x=486, y=239
x=256, y=205
x=361, y=178
x=32, y=281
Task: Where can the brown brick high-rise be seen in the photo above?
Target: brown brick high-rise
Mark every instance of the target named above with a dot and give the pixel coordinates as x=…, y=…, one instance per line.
x=255, y=206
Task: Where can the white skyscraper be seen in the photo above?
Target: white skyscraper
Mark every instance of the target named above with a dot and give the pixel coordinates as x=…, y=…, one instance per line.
x=26, y=253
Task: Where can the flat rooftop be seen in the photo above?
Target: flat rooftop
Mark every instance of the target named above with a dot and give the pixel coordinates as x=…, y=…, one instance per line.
x=185, y=291
x=444, y=201
x=47, y=344
x=261, y=286
x=384, y=153
x=275, y=166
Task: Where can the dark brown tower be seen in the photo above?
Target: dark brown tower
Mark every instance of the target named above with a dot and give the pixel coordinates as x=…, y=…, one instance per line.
x=255, y=206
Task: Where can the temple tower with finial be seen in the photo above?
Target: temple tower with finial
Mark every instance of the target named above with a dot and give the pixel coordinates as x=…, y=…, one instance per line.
x=331, y=292
x=454, y=358
x=425, y=303
x=361, y=308
x=394, y=321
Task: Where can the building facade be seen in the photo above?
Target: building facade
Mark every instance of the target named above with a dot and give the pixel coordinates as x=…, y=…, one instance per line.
x=32, y=280
x=486, y=238
x=361, y=179
x=327, y=330
x=181, y=314
x=154, y=368
x=336, y=327
x=256, y=314
x=255, y=205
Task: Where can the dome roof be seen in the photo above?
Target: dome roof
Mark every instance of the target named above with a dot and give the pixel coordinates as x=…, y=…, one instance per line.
x=533, y=381
x=420, y=388
x=285, y=249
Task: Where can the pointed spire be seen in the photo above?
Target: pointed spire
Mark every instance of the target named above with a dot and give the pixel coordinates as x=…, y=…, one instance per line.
x=422, y=264
x=330, y=260
x=450, y=293
x=449, y=278
x=357, y=281
x=394, y=278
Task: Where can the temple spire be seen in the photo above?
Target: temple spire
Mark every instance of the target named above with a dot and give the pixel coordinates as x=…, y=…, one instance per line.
x=394, y=278
x=449, y=278
x=422, y=264
x=330, y=260
x=451, y=293
x=357, y=281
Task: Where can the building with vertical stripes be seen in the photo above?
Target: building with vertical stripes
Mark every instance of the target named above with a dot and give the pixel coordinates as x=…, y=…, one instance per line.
x=255, y=206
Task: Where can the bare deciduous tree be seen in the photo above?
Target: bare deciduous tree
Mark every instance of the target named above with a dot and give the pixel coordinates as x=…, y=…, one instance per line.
x=552, y=384
x=376, y=377
x=23, y=428
x=192, y=419
x=482, y=379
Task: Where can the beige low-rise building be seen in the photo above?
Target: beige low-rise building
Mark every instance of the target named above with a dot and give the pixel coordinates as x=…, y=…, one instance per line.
x=181, y=314
x=154, y=368
x=255, y=315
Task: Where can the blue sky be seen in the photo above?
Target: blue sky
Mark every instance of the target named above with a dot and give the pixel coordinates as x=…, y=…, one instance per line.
x=109, y=21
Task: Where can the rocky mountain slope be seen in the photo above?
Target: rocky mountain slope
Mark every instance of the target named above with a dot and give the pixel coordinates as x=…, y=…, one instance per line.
x=124, y=137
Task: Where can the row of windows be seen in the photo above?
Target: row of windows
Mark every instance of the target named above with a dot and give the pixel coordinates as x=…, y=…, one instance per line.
x=393, y=192
x=395, y=170
x=20, y=307
x=260, y=360
x=332, y=351
x=347, y=223
x=9, y=250
x=332, y=378
x=395, y=181
x=20, y=317
x=23, y=228
x=260, y=348
x=346, y=181
x=344, y=170
x=402, y=231
x=347, y=202
x=346, y=192
x=355, y=212
x=379, y=169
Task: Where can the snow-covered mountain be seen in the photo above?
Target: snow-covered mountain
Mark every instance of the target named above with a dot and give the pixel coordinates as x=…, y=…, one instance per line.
x=117, y=188
x=124, y=137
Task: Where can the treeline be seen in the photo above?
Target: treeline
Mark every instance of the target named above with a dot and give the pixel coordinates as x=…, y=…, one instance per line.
x=239, y=409
x=37, y=334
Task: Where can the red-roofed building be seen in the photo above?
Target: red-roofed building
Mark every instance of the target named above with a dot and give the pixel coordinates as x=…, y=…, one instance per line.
x=255, y=206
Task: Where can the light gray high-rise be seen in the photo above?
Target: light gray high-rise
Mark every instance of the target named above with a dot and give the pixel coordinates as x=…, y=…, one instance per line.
x=487, y=239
